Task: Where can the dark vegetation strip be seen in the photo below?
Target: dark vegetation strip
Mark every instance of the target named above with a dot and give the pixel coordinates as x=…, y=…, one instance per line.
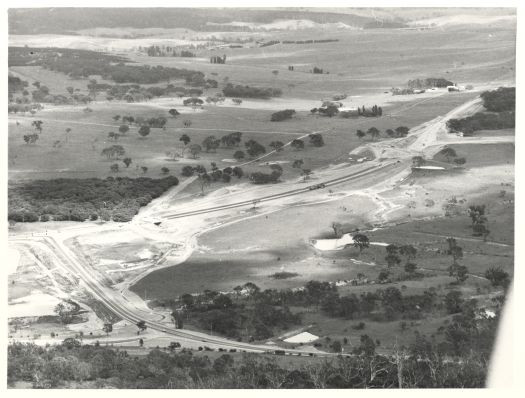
x=64, y=199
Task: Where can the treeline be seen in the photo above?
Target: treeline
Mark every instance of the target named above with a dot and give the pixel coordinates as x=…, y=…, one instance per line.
x=500, y=100
x=482, y=121
x=274, y=42
x=117, y=199
x=84, y=63
x=429, y=82
x=15, y=84
x=167, y=51
x=331, y=109
x=241, y=91
x=501, y=107
x=72, y=364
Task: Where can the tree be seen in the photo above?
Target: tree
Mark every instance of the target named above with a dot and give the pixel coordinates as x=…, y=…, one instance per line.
x=276, y=145
x=113, y=136
x=336, y=346
x=31, y=138
x=418, y=161
x=373, y=132
x=126, y=161
x=456, y=252
x=361, y=241
x=116, y=118
x=141, y=342
x=477, y=214
x=141, y=325
x=68, y=131
x=65, y=311
x=238, y=172
x=70, y=90
x=173, y=112
x=383, y=276
x=187, y=171
x=367, y=346
x=402, y=131
x=144, y=131
x=408, y=251
x=306, y=173
x=316, y=140
x=123, y=129
x=203, y=177
x=297, y=144
x=113, y=151
x=448, y=153
x=453, y=301
x=238, y=155
x=165, y=170
x=410, y=267
x=460, y=272
x=253, y=148
x=144, y=169
x=108, y=328
x=498, y=277
x=37, y=124
x=298, y=163
x=114, y=167
x=338, y=229
x=195, y=149
x=185, y=139
x=211, y=143
x=360, y=134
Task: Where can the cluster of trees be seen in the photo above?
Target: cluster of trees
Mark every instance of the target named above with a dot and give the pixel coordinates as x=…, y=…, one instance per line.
x=15, y=84
x=429, y=82
x=254, y=149
x=374, y=133
x=241, y=91
x=282, y=115
x=420, y=365
x=23, y=108
x=482, y=121
x=309, y=41
x=117, y=198
x=500, y=100
x=331, y=109
x=479, y=219
x=450, y=154
x=167, y=51
x=253, y=318
x=267, y=178
x=382, y=305
x=501, y=107
x=85, y=63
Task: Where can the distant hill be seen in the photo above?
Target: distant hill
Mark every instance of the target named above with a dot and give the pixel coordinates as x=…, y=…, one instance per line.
x=69, y=20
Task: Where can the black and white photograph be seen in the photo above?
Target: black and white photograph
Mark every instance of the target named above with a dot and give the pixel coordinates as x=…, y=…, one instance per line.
x=260, y=196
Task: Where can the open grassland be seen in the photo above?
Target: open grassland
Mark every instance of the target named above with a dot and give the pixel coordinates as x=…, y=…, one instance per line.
x=363, y=60
x=80, y=156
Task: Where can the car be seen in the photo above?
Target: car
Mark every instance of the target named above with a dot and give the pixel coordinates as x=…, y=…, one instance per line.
x=318, y=186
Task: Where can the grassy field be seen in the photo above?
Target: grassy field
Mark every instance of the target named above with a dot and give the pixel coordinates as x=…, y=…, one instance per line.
x=80, y=155
x=484, y=155
x=378, y=60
